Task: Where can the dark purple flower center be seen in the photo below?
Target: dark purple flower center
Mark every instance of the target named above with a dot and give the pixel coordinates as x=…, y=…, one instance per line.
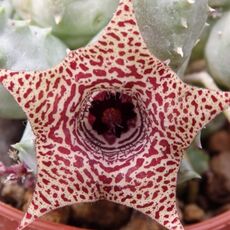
x=112, y=114
x=111, y=117
x=113, y=125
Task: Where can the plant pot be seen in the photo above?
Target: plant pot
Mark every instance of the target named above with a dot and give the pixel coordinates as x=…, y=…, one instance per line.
x=10, y=217
x=220, y=222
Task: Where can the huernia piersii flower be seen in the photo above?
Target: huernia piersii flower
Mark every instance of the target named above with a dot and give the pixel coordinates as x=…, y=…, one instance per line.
x=111, y=122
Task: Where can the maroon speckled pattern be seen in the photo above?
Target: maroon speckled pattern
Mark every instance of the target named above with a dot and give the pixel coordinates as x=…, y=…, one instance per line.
x=77, y=165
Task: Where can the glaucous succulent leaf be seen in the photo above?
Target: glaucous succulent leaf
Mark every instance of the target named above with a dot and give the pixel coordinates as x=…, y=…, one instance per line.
x=199, y=49
x=217, y=51
x=25, y=47
x=74, y=21
x=111, y=122
x=26, y=149
x=174, y=25
x=7, y=6
x=175, y=38
x=225, y=4
x=199, y=159
x=186, y=172
x=9, y=107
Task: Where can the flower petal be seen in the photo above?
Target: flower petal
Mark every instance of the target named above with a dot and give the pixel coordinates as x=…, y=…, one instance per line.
x=140, y=168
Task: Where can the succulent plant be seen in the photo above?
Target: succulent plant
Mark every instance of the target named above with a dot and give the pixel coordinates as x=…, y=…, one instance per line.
x=24, y=47
x=198, y=52
x=225, y=4
x=216, y=11
x=186, y=172
x=111, y=122
x=175, y=38
x=26, y=149
x=172, y=28
x=7, y=6
x=74, y=21
x=118, y=90
x=199, y=159
x=217, y=51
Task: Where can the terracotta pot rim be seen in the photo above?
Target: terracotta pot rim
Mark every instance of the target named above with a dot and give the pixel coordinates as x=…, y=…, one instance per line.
x=221, y=221
x=11, y=213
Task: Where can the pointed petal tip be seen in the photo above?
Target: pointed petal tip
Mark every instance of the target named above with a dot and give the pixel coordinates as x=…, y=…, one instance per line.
x=219, y=99
x=225, y=100
x=27, y=220
x=19, y=227
x=23, y=226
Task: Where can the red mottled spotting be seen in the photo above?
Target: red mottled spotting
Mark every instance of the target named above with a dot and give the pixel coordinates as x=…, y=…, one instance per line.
x=79, y=162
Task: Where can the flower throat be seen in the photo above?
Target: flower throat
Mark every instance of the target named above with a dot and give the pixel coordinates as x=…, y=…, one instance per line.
x=112, y=114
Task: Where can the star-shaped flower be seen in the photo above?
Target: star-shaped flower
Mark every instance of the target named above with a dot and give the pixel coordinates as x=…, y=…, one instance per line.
x=111, y=122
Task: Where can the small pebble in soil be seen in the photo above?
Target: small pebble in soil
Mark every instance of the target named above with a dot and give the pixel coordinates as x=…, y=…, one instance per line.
x=13, y=194
x=193, y=213
x=219, y=142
